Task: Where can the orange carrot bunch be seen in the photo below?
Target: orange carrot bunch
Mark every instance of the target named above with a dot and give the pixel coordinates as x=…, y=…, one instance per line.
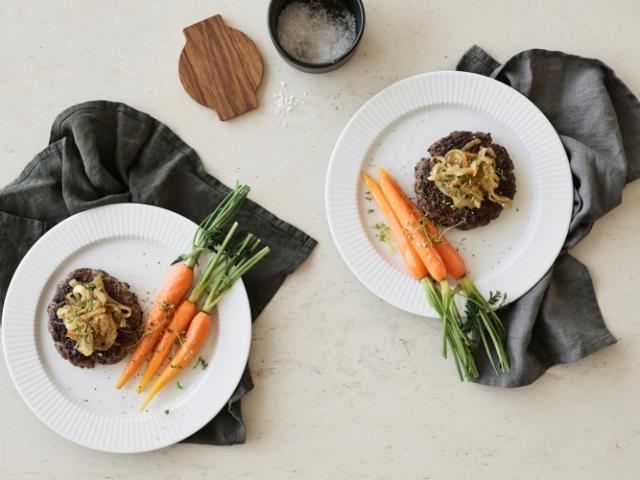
x=430, y=258
x=180, y=279
x=227, y=266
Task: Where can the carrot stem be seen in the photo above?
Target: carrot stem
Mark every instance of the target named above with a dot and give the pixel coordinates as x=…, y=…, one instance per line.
x=209, y=232
x=443, y=302
x=239, y=263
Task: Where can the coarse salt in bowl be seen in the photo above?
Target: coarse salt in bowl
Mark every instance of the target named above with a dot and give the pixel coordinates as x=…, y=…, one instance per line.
x=316, y=36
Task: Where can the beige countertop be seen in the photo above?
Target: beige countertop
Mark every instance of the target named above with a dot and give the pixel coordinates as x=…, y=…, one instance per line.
x=345, y=385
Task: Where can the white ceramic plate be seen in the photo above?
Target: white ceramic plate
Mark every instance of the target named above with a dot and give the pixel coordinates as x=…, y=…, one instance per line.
x=136, y=244
x=394, y=130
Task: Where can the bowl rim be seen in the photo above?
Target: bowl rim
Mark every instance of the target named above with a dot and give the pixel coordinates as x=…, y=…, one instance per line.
x=313, y=66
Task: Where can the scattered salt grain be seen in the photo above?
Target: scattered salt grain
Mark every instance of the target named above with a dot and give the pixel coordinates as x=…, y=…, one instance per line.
x=312, y=33
x=284, y=104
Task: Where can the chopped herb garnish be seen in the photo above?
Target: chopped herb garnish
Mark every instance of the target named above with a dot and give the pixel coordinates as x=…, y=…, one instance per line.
x=371, y=210
x=383, y=234
x=368, y=196
x=201, y=362
x=166, y=306
x=424, y=228
x=408, y=233
x=382, y=231
x=179, y=386
x=166, y=412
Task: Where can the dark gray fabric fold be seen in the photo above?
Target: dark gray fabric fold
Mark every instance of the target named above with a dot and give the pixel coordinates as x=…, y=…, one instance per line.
x=598, y=120
x=102, y=153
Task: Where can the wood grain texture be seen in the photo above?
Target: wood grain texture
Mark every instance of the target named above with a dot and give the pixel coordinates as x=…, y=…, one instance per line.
x=220, y=67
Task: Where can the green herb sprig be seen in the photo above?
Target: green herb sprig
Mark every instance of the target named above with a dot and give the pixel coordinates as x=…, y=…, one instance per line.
x=485, y=322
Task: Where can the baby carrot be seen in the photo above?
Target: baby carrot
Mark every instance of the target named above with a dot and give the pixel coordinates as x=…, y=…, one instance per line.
x=411, y=258
x=456, y=267
x=486, y=324
x=405, y=215
x=234, y=263
x=175, y=286
x=180, y=279
x=184, y=313
x=194, y=339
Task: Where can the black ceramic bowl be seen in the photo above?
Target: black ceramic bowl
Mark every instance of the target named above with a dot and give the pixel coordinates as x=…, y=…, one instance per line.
x=355, y=7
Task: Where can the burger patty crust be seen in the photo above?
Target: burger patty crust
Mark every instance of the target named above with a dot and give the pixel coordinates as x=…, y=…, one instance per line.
x=126, y=338
x=439, y=207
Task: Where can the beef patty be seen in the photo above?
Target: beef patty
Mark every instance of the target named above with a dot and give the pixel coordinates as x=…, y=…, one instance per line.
x=126, y=337
x=439, y=207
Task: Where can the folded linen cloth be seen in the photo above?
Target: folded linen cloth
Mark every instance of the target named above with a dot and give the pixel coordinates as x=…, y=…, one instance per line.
x=598, y=120
x=102, y=153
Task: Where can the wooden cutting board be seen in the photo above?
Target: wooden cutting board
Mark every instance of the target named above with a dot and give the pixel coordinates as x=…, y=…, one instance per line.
x=220, y=67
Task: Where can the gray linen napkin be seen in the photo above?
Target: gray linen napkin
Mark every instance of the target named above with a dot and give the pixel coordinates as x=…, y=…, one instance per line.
x=598, y=120
x=102, y=153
